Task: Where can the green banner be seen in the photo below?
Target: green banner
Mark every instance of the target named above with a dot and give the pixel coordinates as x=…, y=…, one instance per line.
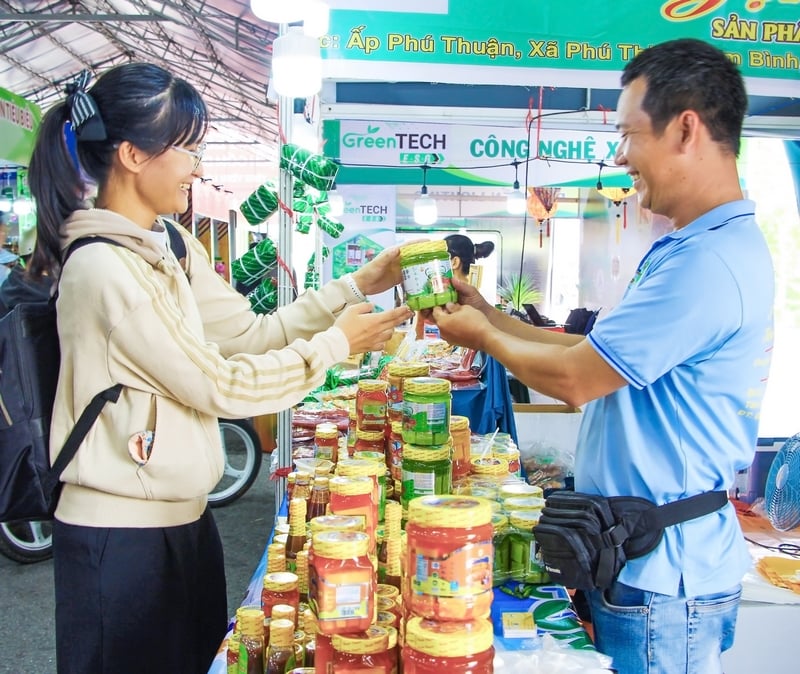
x=19, y=120
x=573, y=42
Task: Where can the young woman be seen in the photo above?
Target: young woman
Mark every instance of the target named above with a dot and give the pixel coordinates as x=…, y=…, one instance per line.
x=139, y=575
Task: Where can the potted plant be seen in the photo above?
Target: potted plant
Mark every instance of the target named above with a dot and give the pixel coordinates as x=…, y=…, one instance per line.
x=519, y=290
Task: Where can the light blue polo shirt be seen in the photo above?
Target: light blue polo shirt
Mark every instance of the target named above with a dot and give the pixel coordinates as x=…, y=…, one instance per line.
x=693, y=338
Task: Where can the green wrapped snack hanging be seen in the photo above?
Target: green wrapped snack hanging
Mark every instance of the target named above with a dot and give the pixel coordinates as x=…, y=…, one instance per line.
x=303, y=222
x=312, y=169
x=255, y=262
x=331, y=227
x=264, y=298
x=260, y=204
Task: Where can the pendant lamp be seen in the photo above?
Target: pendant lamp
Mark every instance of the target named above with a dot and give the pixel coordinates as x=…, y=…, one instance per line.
x=425, y=209
x=516, y=203
x=296, y=64
x=278, y=11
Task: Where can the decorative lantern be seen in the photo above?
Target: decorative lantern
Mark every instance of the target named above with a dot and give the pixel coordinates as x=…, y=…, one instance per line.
x=542, y=205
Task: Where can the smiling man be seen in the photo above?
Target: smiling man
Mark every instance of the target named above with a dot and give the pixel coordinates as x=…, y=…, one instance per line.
x=672, y=379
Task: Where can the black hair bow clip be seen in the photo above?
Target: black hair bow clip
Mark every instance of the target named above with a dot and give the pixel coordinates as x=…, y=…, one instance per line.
x=83, y=112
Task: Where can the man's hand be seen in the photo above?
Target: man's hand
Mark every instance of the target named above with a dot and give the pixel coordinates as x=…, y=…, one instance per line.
x=462, y=325
x=366, y=331
x=469, y=296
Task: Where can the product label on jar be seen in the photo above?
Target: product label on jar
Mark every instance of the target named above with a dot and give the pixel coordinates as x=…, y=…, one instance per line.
x=428, y=278
x=418, y=484
x=343, y=602
x=461, y=572
x=426, y=417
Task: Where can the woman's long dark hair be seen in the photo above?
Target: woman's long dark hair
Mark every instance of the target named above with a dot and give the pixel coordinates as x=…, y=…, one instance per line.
x=137, y=102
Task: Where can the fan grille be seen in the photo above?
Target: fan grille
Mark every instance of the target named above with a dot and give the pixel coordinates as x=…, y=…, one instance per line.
x=782, y=492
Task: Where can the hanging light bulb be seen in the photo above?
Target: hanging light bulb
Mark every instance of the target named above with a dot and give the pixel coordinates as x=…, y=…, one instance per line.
x=516, y=203
x=425, y=209
x=278, y=11
x=23, y=206
x=296, y=64
x=316, y=18
x=335, y=202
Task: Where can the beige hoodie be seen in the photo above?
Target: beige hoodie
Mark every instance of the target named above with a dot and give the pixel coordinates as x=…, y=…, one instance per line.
x=187, y=351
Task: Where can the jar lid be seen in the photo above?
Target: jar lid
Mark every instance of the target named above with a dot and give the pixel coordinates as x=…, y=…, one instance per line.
x=397, y=427
x=250, y=621
x=519, y=488
x=426, y=385
x=370, y=436
x=280, y=581
x=374, y=640
x=459, y=423
x=432, y=453
x=355, y=485
x=387, y=591
x=489, y=465
x=281, y=632
x=499, y=521
x=402, y=369
x=533, y=503
x=524, y=519
x=359, y=467
x=367, y=455
x=411, y=249
x=369, y=385
x=336, y=523
x=340, y=544
x=449, y=639
x=385, y=619
x=326, y=430
x=452, y=512
x=283, y=612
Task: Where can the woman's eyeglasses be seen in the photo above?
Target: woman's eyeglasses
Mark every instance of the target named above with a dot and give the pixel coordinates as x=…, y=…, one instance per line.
x=197, y=154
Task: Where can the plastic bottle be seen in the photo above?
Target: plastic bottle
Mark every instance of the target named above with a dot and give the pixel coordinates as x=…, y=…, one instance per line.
x=453, y=647
x=232, y=652
x=319, y=499
x=297, y=530
x=426, y=471
x=278, y=588
x=427, y=275
x=342, y=582
x=251, y=645
x=371, y=403
x=367, y=651
x=449, y=557
x=280, y=653
x=326, y=441
x=357, y=496
x=460, y=438
x=426, y=411
x=367, y=468
x=397, y=372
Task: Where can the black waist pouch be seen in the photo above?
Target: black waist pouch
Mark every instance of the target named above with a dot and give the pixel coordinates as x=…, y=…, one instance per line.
x=585, y=539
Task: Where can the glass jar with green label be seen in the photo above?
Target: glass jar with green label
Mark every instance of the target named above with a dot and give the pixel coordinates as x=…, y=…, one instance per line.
x=427, y=275
x=426, y=471
x=426, y=411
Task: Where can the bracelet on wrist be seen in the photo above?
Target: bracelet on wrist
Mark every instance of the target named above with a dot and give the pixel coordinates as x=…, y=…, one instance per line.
x=354, y=287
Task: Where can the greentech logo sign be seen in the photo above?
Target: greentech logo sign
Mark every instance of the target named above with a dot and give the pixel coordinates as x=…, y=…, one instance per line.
x=414, y=147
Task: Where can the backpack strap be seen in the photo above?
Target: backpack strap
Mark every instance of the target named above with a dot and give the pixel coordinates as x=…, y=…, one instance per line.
x=79, y=431
x=95, y=406
x=176, y=242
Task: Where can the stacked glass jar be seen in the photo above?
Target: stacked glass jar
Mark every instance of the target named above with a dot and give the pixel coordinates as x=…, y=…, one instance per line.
x=447, y=587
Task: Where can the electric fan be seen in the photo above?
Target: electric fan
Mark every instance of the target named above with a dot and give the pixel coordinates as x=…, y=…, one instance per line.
x=782, y=490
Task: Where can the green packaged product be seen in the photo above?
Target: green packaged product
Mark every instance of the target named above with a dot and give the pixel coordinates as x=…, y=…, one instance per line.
x=426, y=411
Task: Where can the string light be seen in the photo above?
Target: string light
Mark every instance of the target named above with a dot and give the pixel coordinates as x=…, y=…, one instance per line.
x=425, y=210
x=516, y=203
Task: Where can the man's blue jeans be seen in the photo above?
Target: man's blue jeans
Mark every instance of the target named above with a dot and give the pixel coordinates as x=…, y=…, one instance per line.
x=649, y=633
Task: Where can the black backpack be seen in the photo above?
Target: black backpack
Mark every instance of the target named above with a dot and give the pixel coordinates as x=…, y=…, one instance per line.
x=29, y=362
